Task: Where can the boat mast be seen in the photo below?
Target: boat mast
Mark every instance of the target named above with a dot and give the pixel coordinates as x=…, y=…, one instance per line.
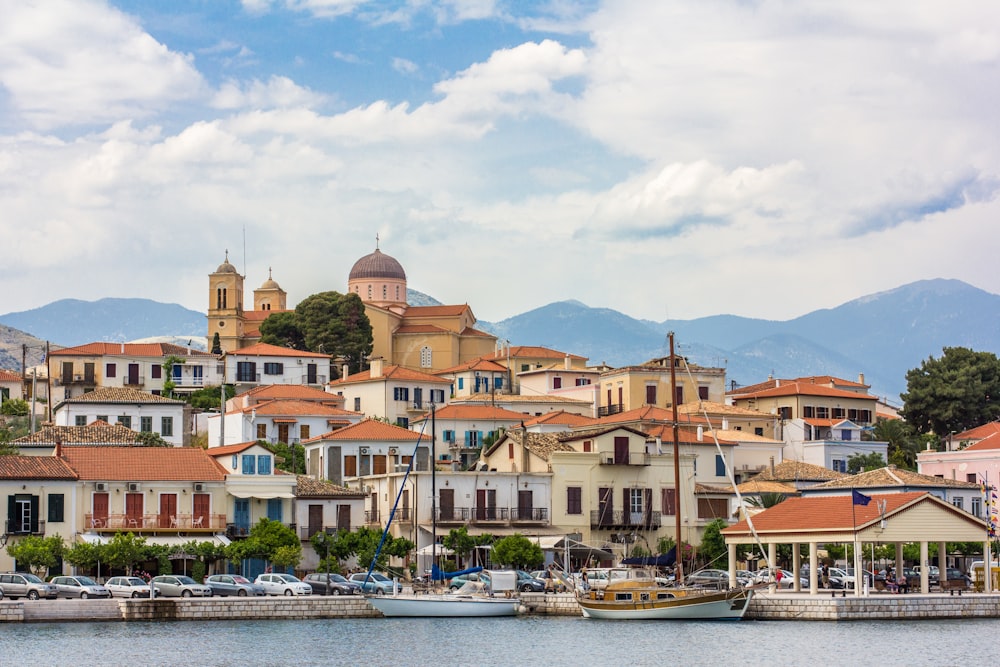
x=433, y=492
x=678, y=560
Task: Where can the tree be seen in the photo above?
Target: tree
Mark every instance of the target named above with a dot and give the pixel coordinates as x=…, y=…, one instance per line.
x=957, y=392
x=333, y=547
x=168, y=369
x=283, y=329
x=37, y=553
x=270, y=540
x=290, y=458
x=15, y=407
x=209, y=398
x=364, y=544
x=518, y=551
x=865, y=462
x=903, y=441
x=216, y=344
x=459, y=541
x=713, y=545
x=150, y=439
x=125, y=550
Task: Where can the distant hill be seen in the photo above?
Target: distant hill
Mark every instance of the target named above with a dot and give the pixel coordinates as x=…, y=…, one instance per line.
x=11, y=340
x=70, y=322
x=881, y=335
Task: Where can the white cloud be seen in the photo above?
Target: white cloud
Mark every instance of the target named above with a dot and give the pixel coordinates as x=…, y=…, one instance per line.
x=277, y=92
x=404, y=66
x=77, y=62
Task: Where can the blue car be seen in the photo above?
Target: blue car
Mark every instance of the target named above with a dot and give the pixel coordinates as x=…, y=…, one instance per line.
x=376, y=583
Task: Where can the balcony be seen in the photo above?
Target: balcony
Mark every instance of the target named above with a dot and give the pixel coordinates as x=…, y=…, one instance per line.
x=456, y=515
x=134, y=381
x=613, y=409
x=76, y=378
x=499, y=515
x=306, y=532
x=156, y=523
x=520, y=515
x=15, y=529
x=620, y=520
x=372, y=518
x=632, y=459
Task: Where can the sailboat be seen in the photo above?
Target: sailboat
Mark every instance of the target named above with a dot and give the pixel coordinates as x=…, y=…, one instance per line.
x=473, y=600
x=639, y=596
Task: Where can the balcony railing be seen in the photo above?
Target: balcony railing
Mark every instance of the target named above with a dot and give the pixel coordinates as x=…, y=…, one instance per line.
x=158, y=523
x=135, y=381
x=371, y=517
x=619, y=519
x=454, y=514
x=633, y=459
x=17, y=528
x=613, y=409
x=306, y=532
x=529, y=514
x=494, y=515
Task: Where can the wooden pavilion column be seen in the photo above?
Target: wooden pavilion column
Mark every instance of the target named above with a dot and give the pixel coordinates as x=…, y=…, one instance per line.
x=942, y=563
x=796, y=567
x=813, y=568
x=925, y=585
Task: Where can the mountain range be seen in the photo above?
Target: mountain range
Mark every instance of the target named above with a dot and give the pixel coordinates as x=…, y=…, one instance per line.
x=881, y=336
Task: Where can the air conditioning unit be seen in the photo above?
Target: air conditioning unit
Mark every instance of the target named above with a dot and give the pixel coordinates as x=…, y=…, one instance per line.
x=198, y=488
x=365, y=450
x=134, y=486
x=393, y=451
x=101, y=486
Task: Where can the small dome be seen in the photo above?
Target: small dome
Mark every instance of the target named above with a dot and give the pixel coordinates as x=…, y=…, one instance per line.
x=270, y=283
x=377, y=265
x=226, y=267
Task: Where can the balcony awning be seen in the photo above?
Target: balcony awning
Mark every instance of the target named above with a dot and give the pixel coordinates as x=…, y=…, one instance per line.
x=93, y=538
x=263, y=495
x=284, y=420
x=178, y=540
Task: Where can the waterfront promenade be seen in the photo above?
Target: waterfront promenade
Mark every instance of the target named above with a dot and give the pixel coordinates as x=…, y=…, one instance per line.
x=778, y=606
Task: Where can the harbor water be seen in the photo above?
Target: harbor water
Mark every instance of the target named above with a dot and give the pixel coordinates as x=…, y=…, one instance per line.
x=500, y=641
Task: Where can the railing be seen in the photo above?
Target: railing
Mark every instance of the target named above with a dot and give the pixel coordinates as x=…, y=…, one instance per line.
x=189, y=382
x=74, y=379
x=455, y=514
x=137, y=381
x=532, y=514
x=633, y=459
x=623, y=519
x=612, y=409
x=490, y=513
x=371, y=517
x=306, y=532
x=160, y=523
x=17, y=529
x=247, y=377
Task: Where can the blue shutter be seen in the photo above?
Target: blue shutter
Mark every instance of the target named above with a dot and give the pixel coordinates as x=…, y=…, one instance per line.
x=264, y=464
x=479, y=441
x=248, y=464
x=468, y=435
x=461, y=383
x=274, y=509
x=720, y=466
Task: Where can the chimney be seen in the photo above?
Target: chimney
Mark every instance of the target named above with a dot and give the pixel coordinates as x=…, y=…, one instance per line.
x=375, y=367
x=343, y=371
x=566, y=362
x=861, y=378
x=725, y=424
x=58, y=451
x=701, y=433
x=772, y=466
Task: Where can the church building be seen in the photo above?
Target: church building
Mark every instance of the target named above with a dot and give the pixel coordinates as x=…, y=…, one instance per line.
x=425, y=338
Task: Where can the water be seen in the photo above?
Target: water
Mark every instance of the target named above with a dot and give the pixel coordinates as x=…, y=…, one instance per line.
x=506, y=641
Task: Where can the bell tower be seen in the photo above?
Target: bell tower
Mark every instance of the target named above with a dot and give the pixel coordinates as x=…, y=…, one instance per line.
x=225, y=306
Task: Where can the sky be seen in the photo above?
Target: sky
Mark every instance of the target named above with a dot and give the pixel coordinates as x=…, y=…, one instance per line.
x=669, y=159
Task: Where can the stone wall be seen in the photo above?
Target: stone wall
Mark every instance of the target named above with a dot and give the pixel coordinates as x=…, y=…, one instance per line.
x=551, y=604
x=819, y=608
x=209, y=609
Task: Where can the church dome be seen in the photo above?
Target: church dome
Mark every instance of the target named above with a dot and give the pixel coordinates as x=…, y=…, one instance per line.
x=270, y=283
x=377, y=265
x=226, y=267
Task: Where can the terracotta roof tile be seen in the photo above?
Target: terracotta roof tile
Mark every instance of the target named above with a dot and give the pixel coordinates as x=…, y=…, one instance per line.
x=813, y=513
x=293, y=406
x=9, y=376
x=129, y=350
x=225, y=450
x=300, y=391
x=266, y=350
x=560, y=417
x=370, y=429
x=978, y=432
x=391, y=373
x=421, y=329
x=795, y=471
x=469, y=331
x=34, y=467
x=96, y=433
x=436, y=311
x=478, y=364
x=307, y=487
x=987, y=443
x=143, y=464
x=891, y=476
x=531, y=351
x=756, y=487
x=121, y=395
x=514, y=399
x=484, y=412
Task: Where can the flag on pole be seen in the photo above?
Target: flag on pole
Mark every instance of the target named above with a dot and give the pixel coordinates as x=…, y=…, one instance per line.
x=858, y=498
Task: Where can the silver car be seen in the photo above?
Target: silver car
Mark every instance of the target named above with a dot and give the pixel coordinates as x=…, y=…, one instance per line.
x=128, y=587
x=26, y=585
x=232, y=584
x=180, y=586
x=283, y=584
x=79, y=587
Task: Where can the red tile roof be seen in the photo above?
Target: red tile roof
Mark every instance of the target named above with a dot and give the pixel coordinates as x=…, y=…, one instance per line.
x=370, y=429
x=978, y=432
x=484, y=412
x=293, y=406
x=391, y=373
x=421, y=329
x=266, y=350
x=560, y=417
x=98, y=432
x=143, y=464
x=129, y=350
x=533, y=351
x=121, y=395
x=230, y=449
x=9, y=376
x=34, y=467
x=299, y=391
x=478, y=364
x=819, y=513
x=989, y=442
x=436, y=311
x=469, y=331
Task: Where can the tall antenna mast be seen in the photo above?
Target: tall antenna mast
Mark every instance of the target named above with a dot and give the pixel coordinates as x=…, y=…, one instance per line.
x=244, y=251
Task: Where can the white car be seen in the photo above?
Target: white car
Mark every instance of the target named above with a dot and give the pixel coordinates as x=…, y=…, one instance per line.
x=283, y=584
x=128, y=587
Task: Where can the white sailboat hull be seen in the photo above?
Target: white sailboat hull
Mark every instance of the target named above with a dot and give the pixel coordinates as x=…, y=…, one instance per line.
x=444, y=605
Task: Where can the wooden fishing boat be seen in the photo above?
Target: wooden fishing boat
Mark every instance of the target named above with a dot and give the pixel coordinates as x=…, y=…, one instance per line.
x=640, y=597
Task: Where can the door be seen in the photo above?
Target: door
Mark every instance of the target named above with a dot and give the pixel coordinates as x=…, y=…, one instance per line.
x=88, y=372
x=133, y=510
x=621, y=450
x=67, y=372
x=283, y=433
x=241, y=514
x=133, y=374
x=344, y=517
x=525, y=510
x=315, y=519
x=446, y=503
x=311, y=374
x=201, y=505
x=101, y=501
x=605, y=507
x=481, y=504
x=168, y=510
x=274, y=509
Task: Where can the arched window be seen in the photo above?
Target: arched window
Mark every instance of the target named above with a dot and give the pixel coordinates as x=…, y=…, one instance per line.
x=369, y=292
x=385, y=292
x=425, y=357
x=397, y=292
x=218, y=297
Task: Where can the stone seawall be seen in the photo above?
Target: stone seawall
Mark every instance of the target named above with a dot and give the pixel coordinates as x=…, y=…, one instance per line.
x=551, y=604
x=876, y=607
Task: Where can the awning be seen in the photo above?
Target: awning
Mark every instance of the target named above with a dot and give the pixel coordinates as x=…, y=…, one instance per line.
x=441, y=551
x=263, y=495
x=93, y=538
x=284, y=420
x=177, y=540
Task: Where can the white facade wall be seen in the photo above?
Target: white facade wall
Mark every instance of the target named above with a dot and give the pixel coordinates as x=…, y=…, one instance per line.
x=166, y=419
x=277, y=369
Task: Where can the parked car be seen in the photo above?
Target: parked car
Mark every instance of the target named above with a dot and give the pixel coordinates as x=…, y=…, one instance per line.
x=376, y=583
x=455, y=583
x=225, y=585
x=953, y=574
x=933, y=575
x=128, y=587
x=180, y=586
x=529, y=584
x=709, y=578
x=331, y=584
x=26, y=585
x=282, y=584
x=79, y=587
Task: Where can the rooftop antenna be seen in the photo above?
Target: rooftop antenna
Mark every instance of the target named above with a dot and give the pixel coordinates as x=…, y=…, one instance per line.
x=244, y=251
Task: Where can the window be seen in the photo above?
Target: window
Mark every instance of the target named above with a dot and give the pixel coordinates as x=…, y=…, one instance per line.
x=461, y=383
x=785, y=412
x=145, y=424
x=498, y=382
x=757, y=430
x=246, y=371
x=304, y=432
x=156, y=371
x=712, y=508
x=236, y=462
x=249, y=467
x=650, y=394
x=822, y=412
x=582, y=382
x=839, y=413
x=958, y=502
x=401, y=393
x=839, y=465
x=22, y=514
x=703, y=392
x=273, y=368
x=125, y=421
x=403, y=421
x=449, y=436
x=635, y=504
x=57, y=502
x=668, y=501
x=970, y=477
x=264, y=464
x=357, y=404
x=557, y=383
x=425, y=357
x=977, y=507
x=574, y=500
x=385, y=292
x=720, y=466
x=110, y=370
x=80, y=420
x=102, y=418
x=845, y=434
x=473, y=438
x=167, y=427
x=437, y=396
x=808, y=412
x=262, y=431
x=678, y=395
